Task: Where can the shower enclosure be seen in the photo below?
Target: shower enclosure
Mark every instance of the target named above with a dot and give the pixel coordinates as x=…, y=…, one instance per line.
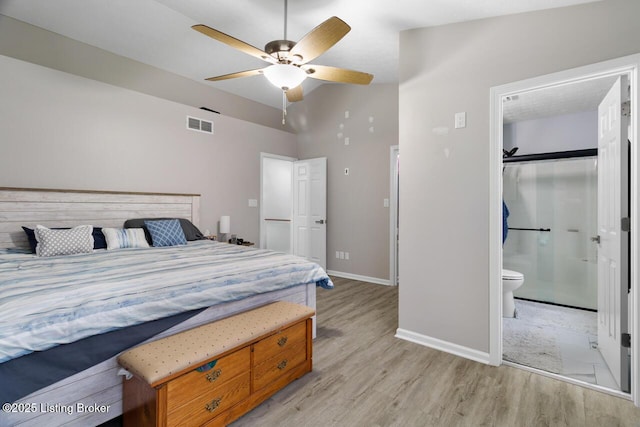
x=553, y=218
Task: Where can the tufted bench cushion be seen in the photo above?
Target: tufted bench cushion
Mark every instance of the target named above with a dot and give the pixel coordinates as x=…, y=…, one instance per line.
x=157, y=361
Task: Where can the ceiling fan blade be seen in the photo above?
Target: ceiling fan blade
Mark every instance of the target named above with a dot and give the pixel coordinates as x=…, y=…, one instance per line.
x=247, y=73
x=340, y=75
x=234, y=43
x=319, y=40
x=295, y=94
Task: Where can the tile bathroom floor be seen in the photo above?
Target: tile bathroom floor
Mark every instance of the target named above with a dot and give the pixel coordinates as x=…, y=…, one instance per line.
x=574, y=332
x=581, y=358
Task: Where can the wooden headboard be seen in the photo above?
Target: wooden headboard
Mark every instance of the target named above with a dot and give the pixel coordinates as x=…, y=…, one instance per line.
x=68, y=208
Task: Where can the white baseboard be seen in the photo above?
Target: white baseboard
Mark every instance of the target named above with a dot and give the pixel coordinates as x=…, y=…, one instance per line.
x=458, y=350
x=359, y=277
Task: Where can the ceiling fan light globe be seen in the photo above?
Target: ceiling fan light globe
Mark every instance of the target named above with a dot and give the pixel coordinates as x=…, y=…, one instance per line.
x=284, y=76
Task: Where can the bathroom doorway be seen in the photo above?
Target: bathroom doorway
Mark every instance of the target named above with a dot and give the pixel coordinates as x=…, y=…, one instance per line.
x=543, y=184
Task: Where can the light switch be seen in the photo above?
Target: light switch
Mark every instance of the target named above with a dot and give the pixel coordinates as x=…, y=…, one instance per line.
x=346, y=140
x=461, y=120
x=386, y=203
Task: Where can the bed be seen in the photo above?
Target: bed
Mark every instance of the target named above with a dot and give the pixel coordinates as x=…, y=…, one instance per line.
x=186, y=286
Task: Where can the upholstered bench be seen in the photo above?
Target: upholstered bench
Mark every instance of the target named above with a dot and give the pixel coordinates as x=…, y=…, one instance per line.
x=215, y=373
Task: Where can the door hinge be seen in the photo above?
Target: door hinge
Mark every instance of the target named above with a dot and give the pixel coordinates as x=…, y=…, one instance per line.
x=625, y=224
x=626, y=108
x=626, y=340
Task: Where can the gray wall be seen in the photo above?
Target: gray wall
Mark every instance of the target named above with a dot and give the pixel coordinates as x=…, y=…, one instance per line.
x=444, y=190
x=358, y=222
x=576, y=131
x=33, y=44
x=37, y=127
x=58, y=130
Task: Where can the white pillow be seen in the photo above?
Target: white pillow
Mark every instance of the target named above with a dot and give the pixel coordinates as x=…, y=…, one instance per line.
x=77, y=240
x=120, y=238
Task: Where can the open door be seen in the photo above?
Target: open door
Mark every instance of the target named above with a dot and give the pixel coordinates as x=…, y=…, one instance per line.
x=310, y=210
x=613, y=251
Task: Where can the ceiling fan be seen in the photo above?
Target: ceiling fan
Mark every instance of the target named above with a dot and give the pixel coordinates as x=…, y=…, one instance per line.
x=290, y=60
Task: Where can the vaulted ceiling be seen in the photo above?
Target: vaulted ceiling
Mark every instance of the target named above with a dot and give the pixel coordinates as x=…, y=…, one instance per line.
x=158, y=32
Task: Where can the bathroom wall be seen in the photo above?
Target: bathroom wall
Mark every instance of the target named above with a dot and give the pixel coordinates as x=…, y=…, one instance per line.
x=576, y=131
x=559, y=266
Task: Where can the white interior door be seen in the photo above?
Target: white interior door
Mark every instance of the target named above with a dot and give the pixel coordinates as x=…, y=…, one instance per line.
x=613, y=248
x=310, y=210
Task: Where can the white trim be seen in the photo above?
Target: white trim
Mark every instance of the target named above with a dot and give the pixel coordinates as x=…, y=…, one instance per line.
x=393, y=213
x=629, y=65
x=458, y=350
x=495, y=230
x=375, y=280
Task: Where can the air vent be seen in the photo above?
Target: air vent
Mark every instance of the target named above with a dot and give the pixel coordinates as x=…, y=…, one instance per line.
x=199, y=125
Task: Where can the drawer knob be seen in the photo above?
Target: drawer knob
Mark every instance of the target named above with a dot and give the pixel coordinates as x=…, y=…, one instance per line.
x=282, y=341
x=212, y=376
x=213, y=405
x=282, y=364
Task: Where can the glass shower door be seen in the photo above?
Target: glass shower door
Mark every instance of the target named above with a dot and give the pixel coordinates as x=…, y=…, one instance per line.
x=559, y=265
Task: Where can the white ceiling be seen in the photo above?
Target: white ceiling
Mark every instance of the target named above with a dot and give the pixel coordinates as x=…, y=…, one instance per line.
x=575, y=97
x=158, y=33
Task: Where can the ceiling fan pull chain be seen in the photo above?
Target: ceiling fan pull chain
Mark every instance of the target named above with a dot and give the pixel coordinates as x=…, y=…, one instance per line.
x=284, y=106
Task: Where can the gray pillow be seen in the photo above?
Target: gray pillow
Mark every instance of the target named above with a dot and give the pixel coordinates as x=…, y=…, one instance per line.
x=191, y=232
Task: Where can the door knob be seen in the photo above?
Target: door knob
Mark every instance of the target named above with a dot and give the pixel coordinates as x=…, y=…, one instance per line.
x=596, y=239
x=320, y=221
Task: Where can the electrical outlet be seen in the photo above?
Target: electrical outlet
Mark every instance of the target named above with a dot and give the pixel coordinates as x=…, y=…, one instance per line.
x=337, y=255
x=253, y=203
x=341, y=255
x=385, y=203
x=346, y=255
x=460, y=120
x=346, y=140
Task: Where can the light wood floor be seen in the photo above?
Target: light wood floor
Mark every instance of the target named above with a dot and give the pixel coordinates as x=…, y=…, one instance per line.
x=363, y=376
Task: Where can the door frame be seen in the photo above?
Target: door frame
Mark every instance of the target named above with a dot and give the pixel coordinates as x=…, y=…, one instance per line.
x=393, y=215
x=262, y=229
x=629, y=65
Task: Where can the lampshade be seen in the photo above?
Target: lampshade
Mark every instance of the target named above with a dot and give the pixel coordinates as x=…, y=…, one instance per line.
x=225, y=224
x=285, y=76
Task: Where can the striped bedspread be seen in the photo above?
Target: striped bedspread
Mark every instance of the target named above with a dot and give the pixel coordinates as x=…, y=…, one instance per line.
x=49, y=301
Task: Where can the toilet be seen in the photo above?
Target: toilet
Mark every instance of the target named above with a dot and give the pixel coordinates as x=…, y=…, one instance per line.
x=511, y=280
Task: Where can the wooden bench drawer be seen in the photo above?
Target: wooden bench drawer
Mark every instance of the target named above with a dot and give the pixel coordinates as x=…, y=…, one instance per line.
x=277, y=343
x=278, y=365
x=182, y=389
x=208, y=405
x=257, y=353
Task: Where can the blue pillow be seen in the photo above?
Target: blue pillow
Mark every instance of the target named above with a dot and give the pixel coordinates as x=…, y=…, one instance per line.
x=166, y=232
